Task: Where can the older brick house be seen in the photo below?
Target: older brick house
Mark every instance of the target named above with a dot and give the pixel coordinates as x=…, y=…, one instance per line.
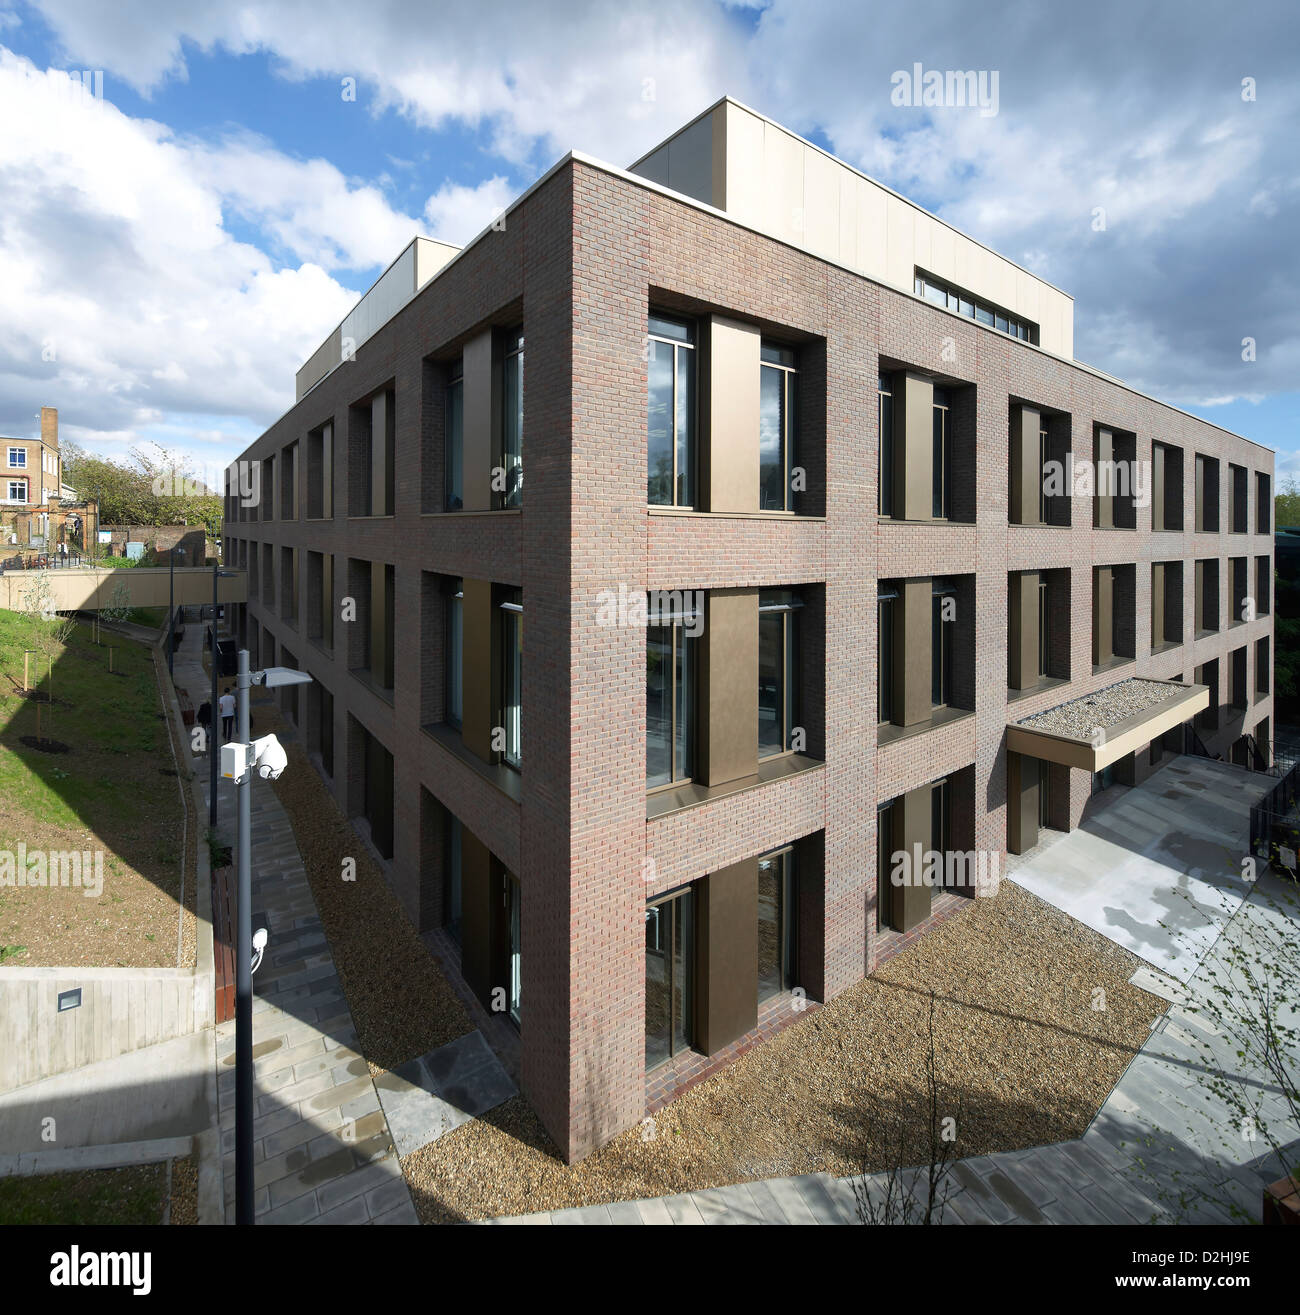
x=819, y=420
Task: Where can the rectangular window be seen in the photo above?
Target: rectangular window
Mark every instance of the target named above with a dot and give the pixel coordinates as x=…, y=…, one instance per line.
x=454, y=439
x=378, y=793
x=320, y=472
x=671, y=420
x=777, y=669
x=1261, y=666
x=777, y=933
x=669, y=955
x=1263, y=504
x=1207, y=495
x=884, y=863
x=289, y=583
x=886, y=398
x=1208, y=674
x=1044, y=637
x=1237, y=677
x=670, y=703
x=455, y=623
x=514, y=919
x=451, y=884
x=289, y=483
x=17, y=490
x=943, y=609
x=325, y=728
x=18, y=458
x=941, y=293
x=1237, y=509
x=1241, y=611
x=777, y=420
x=1043, y=509
x=885, y=655
x=942, y=472
x=940, y=817
x=512, y=691
x=512, y=438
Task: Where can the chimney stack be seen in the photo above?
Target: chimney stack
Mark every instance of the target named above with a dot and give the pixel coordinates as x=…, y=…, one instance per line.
x=50, y=426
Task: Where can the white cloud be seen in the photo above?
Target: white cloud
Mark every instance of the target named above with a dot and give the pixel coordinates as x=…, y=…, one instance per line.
x=306, y=208
x=456, y=213
x=1197, y=185
x=127, y=299
x=543, y=78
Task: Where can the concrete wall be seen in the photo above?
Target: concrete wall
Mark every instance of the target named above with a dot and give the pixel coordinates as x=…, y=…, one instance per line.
x=122, y=1009
x=88, y=587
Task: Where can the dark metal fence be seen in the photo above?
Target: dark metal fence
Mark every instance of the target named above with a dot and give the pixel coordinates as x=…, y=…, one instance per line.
x=1275, y=823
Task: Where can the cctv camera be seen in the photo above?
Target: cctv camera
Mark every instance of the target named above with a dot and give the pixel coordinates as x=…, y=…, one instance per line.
x=259, y=939
x=271, y=758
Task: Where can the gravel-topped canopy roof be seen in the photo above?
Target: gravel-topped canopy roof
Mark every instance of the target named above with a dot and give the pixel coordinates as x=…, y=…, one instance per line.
x=1098, y=729
x=1107, y=707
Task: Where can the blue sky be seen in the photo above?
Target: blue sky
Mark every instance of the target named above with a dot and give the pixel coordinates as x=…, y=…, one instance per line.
x=171, y=255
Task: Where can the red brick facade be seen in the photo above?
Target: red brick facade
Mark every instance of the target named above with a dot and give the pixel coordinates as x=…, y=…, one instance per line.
x=581, y=258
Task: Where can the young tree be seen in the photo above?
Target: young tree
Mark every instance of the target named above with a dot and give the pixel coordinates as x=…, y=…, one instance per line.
x=119, y=605
x=153, y=488
x=1286, y=503
x=1246, y=1003
x=907, y=1193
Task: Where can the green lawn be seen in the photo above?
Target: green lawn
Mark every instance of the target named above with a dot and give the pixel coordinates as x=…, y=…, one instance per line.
x=102, y=716
x=115, y=790
x=96, y=1196
x=152, y=617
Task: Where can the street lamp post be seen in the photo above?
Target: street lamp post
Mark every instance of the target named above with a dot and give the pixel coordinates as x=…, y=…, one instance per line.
x=171, y=604
x=238, y=761
x=244, y=976
x=216, y=721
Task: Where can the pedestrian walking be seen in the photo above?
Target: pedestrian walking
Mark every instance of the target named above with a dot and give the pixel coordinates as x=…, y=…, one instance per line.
x=227, y=704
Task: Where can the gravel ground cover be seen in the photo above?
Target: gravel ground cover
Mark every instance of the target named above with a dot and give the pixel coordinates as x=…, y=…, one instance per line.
x=1104, y=708
x=185, y=1191
x=1024, y=1056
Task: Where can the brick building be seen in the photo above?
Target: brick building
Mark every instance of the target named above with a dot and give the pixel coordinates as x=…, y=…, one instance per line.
x=31, y=486
x=819, y=420
x=162, y=540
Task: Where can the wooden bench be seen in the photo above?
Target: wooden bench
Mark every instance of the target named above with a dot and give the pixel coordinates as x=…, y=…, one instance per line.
x=186, y=706
x=223, y=940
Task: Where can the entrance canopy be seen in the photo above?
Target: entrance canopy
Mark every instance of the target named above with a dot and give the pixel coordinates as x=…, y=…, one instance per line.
x=1098, y=729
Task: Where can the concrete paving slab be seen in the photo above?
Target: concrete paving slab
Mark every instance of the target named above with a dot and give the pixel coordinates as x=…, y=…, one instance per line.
x=152, y=1094
x=1159, y=871
x=452, y=1084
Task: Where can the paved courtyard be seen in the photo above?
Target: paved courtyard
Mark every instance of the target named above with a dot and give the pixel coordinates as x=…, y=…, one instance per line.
x=1157, y=871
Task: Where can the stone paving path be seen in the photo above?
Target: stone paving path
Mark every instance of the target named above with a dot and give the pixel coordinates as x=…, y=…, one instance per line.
x=322, y=1151
x=1158, y=870
x=1163, y=1148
